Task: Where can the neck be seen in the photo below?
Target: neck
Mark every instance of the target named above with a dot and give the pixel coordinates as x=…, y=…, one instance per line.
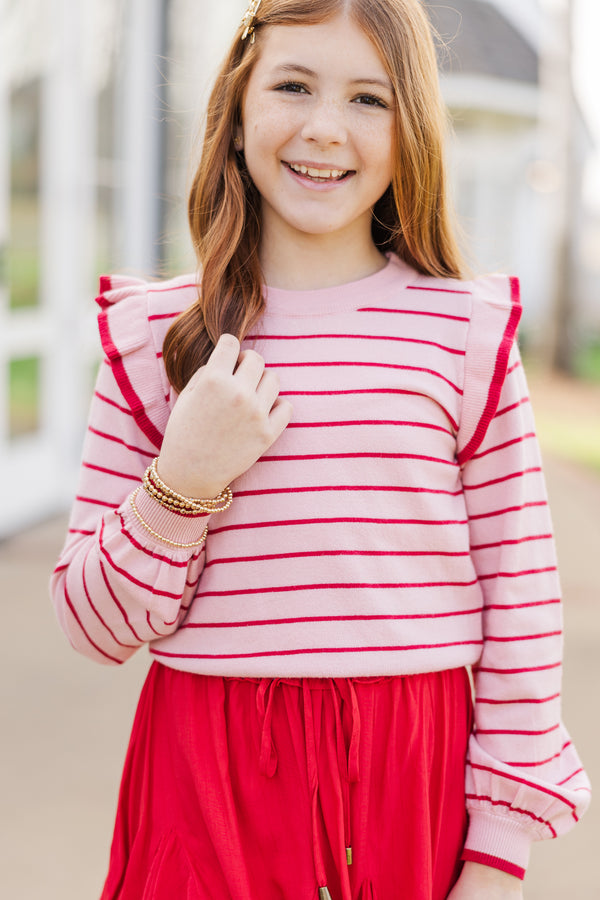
x=317, y=261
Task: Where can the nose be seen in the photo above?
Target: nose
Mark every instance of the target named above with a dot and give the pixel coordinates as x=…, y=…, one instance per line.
x=325, y=124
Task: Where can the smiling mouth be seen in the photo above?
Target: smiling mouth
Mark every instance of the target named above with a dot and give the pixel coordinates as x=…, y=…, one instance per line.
x=319, y=175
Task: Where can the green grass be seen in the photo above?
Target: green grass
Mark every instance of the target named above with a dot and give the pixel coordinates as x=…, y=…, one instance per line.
x=588, y=362
x=23, y=277
x=24, y=395
x=576, y=441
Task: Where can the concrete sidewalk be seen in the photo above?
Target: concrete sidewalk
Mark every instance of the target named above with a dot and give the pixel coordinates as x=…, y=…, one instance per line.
x=66, y=721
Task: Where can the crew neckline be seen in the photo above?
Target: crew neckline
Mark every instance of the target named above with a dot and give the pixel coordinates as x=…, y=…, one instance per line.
x=321, y=301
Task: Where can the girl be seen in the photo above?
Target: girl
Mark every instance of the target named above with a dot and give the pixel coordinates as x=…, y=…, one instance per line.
x=372, y=519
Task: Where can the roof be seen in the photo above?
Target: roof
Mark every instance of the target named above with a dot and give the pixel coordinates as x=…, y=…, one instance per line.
x=478, y=39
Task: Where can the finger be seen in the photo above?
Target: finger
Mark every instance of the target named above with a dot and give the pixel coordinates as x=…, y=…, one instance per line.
x=280, y=416
x=250, y=369
x=268, y=390
x=225, y=354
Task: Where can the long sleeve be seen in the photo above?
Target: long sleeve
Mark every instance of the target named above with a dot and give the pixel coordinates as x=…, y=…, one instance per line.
x=524, y=780
x=116, y=586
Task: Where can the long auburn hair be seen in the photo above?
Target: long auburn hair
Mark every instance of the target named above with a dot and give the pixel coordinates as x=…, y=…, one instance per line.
x=413, y=218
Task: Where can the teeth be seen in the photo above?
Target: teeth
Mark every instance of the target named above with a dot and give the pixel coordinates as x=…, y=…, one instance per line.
x=318, y=173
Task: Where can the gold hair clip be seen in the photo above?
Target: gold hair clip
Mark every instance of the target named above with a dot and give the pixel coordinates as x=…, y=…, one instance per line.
x=247, y=22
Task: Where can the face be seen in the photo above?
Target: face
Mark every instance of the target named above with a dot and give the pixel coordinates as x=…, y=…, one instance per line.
x=317, y=130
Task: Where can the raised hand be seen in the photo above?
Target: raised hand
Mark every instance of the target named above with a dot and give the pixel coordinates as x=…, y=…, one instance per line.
x=226, y=417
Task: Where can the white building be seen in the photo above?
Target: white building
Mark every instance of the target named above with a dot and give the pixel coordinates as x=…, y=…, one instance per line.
x=98, y=105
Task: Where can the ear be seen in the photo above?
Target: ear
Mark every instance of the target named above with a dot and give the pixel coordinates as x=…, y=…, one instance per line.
x=238, y=139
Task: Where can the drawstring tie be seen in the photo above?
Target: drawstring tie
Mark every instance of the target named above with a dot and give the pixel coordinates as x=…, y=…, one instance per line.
x=343, y=695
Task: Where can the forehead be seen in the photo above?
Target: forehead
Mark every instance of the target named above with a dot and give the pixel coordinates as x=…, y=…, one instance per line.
x=337, y=46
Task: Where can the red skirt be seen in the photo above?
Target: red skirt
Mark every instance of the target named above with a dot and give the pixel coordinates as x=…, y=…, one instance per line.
x=293, y=789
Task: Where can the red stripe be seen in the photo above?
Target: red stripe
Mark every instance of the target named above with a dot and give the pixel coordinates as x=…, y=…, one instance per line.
x=315, y=554
x=513, y=406
x=335, y=586
x=125, y=475
x=524, y=781
x=542, y=762
x=572, y=775
x=306, y=456
x=358, y=337
x=370, y=422
x=310, y=650
x=307, y=619
x=117, y=603
x=97, y=502
x=533, y=603
x=374, y=365
x=491, y=702
x=285, y=522
x=131, y=397
x=297, y=489
x=484, y=484
x=171, y=288
x=104, y=399
x=156, y=316
x=111, y=437
x=498, y=377
x=415, y=312
x=88, y=638
x=517, y=575
x=500, y=671
x=515, y=542
x=86, y=532
x=518, y=440
x=507, y=639
x=508, y=509
x=151, y=626
x=112, y=594
x=97, y=613
x=152, y=589
x=397, y=391
x=515, y=731
x=494, y=862
x=432, y=290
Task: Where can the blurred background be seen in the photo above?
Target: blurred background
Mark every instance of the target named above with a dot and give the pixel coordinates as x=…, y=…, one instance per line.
x=100, y=115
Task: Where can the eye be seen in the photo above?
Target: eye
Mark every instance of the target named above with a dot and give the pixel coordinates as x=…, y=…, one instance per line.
x=292, y=87
x=371, y=100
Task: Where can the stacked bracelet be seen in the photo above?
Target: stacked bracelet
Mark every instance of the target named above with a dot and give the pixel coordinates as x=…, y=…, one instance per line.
x=187, y=506
x=159, y=536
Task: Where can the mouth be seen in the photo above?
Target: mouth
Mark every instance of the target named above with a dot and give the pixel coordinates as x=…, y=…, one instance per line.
x=319, y=176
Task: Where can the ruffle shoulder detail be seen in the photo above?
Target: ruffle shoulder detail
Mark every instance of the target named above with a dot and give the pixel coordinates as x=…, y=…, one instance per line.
x=133, y=319
x=495, y=315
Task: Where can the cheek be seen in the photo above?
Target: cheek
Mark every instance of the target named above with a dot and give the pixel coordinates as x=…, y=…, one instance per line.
x=268, y=127
x=377, y=143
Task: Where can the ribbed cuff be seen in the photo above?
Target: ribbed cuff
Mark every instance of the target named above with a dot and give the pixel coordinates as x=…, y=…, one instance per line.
x=501, y=842
x=493, y=862
x=168, y=526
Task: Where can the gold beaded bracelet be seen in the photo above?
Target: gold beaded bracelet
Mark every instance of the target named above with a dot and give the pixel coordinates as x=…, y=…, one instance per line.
x=164, y=500
x=175, y=502
x=159, y=536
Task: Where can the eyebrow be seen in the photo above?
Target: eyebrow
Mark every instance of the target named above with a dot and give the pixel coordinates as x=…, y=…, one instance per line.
x=303, y=70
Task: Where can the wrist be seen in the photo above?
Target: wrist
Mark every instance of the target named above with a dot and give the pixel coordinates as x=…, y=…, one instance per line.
x=489, y=878
x=170, y=475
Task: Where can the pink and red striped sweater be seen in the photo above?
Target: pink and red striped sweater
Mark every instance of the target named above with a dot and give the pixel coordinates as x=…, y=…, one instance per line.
x=398, y=525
